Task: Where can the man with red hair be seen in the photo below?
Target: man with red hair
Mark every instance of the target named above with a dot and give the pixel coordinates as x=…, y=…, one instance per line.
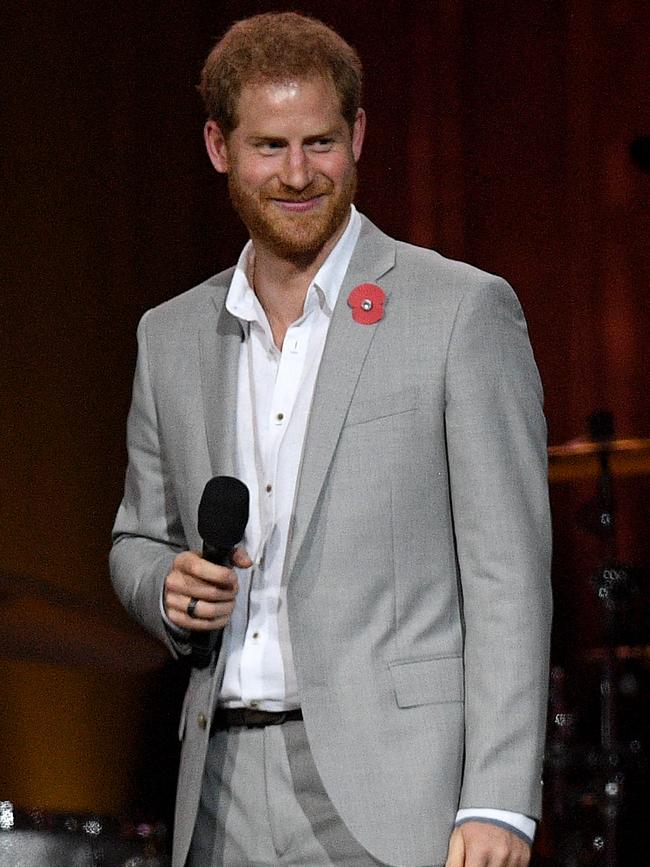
x=376, y=688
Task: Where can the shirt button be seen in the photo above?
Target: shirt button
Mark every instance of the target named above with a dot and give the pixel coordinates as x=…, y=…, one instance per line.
x=253, y=703
x=256, y=635
x=280, y=416
x=269, y=488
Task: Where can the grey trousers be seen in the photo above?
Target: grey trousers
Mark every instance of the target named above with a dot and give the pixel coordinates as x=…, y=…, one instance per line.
x=263, y=805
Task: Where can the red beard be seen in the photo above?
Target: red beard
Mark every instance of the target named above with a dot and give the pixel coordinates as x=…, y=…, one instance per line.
x=296, y=237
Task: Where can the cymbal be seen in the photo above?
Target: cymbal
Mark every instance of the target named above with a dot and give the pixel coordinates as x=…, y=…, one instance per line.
x=580, y=459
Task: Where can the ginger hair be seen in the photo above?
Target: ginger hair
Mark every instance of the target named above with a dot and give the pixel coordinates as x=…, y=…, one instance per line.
x=277, y=47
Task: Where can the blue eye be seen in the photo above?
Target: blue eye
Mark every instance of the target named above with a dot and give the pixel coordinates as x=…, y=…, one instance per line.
x=270, y=147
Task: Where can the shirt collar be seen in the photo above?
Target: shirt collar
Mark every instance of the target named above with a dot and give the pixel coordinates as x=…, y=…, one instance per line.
x=242, y=302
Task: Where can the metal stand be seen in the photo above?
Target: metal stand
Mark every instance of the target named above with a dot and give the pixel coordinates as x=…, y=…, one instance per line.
x=596, y=775
x=613, y=588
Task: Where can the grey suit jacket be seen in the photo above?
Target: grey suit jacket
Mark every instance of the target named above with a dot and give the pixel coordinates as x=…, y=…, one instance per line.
x=418, y=560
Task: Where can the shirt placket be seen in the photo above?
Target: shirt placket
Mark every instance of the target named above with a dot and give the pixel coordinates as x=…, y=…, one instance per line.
x=273, y=410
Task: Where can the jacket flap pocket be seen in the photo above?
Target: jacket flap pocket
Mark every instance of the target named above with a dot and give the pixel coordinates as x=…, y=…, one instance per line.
x=382, y=406
x=428, y=681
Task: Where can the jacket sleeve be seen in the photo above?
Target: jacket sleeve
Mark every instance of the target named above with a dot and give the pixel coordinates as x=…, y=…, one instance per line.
x=496, y=442
x=147, y=534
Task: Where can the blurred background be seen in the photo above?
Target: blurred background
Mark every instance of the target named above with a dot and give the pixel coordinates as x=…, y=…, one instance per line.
x=513, y=135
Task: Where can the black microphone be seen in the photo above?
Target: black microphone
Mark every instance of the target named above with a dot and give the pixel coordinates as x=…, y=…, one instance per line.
x=223, y=515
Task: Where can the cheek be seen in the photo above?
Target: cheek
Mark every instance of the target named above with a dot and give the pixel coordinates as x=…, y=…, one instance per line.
x=339, y=169
x=251, y=176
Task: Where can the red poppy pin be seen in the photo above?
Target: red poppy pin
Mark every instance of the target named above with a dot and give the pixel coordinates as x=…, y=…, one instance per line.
x=367, y=303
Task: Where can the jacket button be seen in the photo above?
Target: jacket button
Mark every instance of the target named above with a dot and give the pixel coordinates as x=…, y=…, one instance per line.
x=202, y=720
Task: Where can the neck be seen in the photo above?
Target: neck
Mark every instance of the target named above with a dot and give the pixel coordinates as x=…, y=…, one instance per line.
x=281, y=284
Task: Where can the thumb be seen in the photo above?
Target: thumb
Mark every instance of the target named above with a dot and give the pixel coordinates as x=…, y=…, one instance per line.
x=240, y=558
x=456, y=852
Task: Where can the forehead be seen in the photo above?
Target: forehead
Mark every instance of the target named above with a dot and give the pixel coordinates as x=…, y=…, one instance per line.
x=312, y=100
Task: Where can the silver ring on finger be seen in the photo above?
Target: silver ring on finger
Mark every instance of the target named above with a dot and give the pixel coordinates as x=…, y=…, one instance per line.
x=191, y=607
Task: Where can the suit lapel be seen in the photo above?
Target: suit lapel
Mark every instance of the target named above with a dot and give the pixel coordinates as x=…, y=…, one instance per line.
x=343, y=357
x=219, y=340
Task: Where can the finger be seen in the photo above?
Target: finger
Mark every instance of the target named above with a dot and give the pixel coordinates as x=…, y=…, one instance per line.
x=197, y=609
x=516, y=853
x=240, y=558
x=456, y=851
x=190, y=564
x=521, y=857
x=206, y=616
x=187, y=585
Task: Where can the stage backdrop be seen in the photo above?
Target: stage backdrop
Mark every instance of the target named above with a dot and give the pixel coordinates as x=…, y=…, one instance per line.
x=498, y=132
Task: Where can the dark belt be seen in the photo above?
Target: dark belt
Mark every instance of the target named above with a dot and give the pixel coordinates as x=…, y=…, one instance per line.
x=244, y=717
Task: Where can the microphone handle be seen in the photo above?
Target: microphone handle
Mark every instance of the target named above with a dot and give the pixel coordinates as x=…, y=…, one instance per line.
x=218, y=554
x=204, y=644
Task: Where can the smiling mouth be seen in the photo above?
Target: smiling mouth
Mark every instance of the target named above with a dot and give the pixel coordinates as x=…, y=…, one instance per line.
x=298, y=206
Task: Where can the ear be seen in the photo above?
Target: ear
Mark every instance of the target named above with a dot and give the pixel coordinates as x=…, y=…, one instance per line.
x=358, y=133
x=216, y=146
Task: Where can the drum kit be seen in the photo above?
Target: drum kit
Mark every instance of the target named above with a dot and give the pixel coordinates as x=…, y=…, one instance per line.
x=596, y=779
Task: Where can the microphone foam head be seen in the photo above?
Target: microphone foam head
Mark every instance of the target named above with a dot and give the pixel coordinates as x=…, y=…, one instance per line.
x=223, y=512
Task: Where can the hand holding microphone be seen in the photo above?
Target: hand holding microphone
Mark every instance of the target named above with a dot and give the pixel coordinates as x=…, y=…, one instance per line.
x=200, y=592
x=199, y=595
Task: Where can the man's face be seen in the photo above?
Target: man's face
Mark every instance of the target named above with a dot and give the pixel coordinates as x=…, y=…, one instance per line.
x=291, y=165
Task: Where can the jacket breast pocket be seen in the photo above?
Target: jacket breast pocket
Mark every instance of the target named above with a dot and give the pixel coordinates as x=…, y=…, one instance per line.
x=428, y=681
x=382, y=406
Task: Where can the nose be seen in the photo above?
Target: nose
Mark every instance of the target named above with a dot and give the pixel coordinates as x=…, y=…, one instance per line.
x=297, y=172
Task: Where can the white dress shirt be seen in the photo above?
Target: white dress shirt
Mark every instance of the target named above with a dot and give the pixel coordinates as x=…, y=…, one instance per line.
x=274, y=393
x=275, y=388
